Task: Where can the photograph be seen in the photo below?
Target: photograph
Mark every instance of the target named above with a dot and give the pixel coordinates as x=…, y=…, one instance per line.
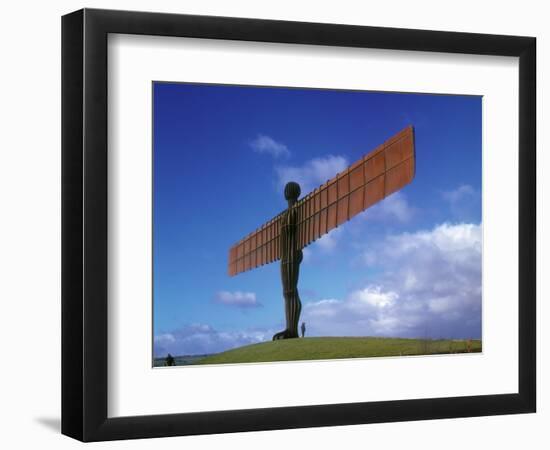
x=296, y=224
x=267, y=226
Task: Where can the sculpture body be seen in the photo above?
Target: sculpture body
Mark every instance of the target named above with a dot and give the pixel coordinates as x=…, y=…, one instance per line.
x=291, y=257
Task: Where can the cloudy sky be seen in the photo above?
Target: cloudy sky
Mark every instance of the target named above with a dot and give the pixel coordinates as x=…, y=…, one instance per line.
x=409, y=266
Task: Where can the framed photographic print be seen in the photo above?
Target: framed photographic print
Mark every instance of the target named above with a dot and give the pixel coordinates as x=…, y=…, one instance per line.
x=266, y=224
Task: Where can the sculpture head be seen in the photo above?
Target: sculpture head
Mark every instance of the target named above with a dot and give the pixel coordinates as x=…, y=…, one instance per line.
x=292, y=192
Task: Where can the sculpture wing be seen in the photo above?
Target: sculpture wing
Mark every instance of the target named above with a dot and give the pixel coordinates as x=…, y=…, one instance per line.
x=383, y=171
x=258, y=248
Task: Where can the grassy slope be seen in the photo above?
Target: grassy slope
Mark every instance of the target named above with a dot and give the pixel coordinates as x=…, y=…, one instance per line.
x=337, y=347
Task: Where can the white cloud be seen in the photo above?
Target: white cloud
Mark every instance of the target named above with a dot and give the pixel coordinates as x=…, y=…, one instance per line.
x=328, y=242
x=393, y=207
x=325, y=308
x=311, y=174
x=266, y=144
x=165, y=338
x=198, y=339
x=237, y=298
x=464, y=202
x=430, y=284
x=306, y=252
x=459, y=193
x=373, y=296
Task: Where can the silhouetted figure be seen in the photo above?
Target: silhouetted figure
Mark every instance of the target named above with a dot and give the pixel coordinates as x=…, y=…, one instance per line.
x=291, y=257
x=170, y=361
x=303, y=329
x=384, y=170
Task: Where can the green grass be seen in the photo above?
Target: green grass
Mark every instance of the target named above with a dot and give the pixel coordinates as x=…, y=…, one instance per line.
x=337, y=348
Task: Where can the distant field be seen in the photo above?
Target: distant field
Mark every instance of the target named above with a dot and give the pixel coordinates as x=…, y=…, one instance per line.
x=336, y=348
x=179, y=360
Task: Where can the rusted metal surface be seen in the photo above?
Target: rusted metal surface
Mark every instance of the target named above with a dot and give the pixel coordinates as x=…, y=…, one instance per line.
x=383, y=171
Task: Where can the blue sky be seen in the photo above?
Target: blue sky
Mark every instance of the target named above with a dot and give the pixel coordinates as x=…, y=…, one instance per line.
x=410, y=266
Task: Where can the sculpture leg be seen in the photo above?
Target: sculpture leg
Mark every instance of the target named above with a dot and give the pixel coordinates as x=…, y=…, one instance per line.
x=293, y=306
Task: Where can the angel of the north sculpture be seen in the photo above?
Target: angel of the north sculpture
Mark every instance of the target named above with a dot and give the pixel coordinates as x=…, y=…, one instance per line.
x=383, y=171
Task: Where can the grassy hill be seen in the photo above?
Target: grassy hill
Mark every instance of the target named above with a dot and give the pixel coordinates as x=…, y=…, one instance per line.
x=338, y=347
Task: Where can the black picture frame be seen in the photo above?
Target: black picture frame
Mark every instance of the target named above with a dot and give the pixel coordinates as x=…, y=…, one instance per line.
x=84, y=224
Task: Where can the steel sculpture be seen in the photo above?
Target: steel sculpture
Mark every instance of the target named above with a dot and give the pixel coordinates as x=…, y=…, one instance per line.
x=383, y=171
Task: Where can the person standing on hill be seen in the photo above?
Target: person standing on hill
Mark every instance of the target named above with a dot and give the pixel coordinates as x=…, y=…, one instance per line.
x=303, y=329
